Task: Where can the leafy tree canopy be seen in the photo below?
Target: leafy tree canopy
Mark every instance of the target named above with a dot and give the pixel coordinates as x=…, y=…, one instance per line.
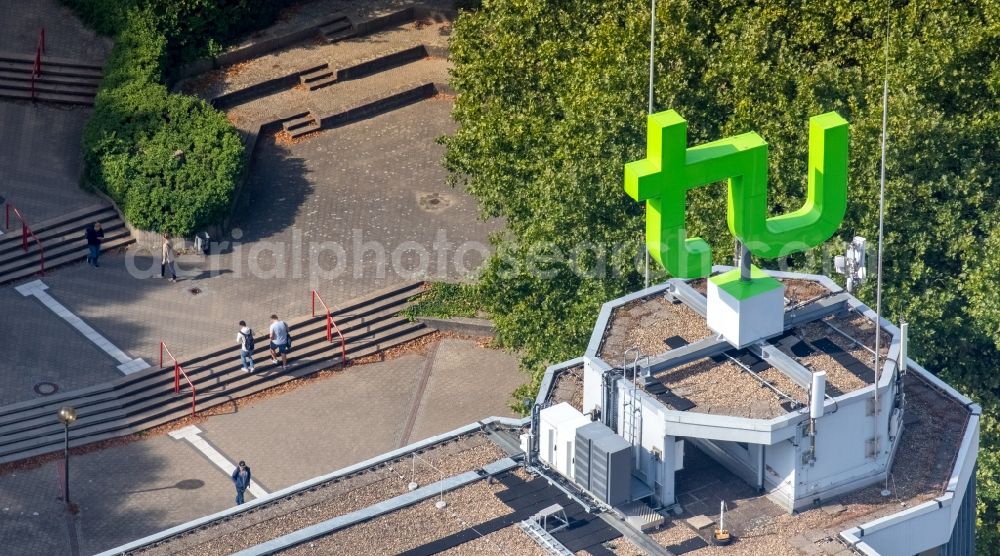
x=552, y=104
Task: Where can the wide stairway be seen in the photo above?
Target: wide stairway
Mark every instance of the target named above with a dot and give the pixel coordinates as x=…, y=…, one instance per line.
x=146, y=399
x=60, y=80
x=58, y=242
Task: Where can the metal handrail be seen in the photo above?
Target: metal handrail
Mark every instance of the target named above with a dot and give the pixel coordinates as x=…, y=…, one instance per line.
x=178, y=371
x=25, y=232
x=36, y=68
x=331, y=326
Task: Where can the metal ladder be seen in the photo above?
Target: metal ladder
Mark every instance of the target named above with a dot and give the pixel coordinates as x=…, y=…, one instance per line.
x=544, y=539
x=630, y=407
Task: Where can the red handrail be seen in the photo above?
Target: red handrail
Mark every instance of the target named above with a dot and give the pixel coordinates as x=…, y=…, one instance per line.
x=178, y=371
x=330, y=326
x=36, y=68
x=25, y=232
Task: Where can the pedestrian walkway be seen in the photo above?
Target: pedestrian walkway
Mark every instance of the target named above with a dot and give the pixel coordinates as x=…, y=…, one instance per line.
x=127, y=365
x=130, y=491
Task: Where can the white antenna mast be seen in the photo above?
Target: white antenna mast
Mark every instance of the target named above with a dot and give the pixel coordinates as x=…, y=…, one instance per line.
x=881, y=222
x=652, y=45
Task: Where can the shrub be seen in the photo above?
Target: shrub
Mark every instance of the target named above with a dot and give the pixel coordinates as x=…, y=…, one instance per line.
x=192, y=28
x=170, y=161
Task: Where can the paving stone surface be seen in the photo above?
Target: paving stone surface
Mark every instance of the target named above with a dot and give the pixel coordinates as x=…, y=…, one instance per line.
x=65, y=35
x=123, y=493
x=312, y=53
x=342, y=420
x=455, y=388
x=323, y=214
x=130, y=491
x=340, y=96
x=40, y=159
x=44, y=348
x=33, y=519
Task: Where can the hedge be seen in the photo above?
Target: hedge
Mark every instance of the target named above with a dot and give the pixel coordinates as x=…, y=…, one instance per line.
x=170, y=161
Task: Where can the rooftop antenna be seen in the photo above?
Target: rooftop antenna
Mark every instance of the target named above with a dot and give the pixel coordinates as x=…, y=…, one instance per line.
x=881, y=225
x=652, y=44
x=852, y=263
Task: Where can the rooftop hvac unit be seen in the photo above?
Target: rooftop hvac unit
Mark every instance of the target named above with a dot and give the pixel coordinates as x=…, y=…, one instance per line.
x=585, y=436
x=611, y=469
x=603, y=464
x=557, y=433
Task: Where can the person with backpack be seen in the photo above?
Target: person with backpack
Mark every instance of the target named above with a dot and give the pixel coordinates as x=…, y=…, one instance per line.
x=241, y=478
x=244, y=338
x=94, y=235
x=281, y=341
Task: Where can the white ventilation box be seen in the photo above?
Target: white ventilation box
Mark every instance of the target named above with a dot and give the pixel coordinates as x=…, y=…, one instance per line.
x=745, y=311
x=557, y=435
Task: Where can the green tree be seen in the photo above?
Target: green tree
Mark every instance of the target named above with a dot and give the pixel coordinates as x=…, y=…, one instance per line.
x=552, y=101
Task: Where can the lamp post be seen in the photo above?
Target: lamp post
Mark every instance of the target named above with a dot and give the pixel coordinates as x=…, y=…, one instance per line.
x=66, y=416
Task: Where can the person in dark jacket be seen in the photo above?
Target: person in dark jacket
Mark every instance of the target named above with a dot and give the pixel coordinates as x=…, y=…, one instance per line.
x=94, y=236
x=241, y=478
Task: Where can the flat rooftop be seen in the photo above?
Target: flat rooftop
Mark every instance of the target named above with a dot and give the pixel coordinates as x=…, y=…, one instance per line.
x=333, y=498
x=737, y=382
x=480, y=517
x=934, y=423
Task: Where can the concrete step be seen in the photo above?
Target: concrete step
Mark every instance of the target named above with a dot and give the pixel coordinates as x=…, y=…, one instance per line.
x=62, y=260
x=356, y=318
x=322, y=82
x=336, y=27
x=296, y=123
x=124, y=416
x=13, y=249
x=309, y=338
x=245, y=384
x=139, y=398
x=305, y=130
x=70, y=223
x=50, y=67
x=56, y=61
x=125, y=426
x=19, y=94
x=383, y=62
x=356, y=311
x=55, y=249
x=13, y=75
x=50, y=87
x=314, y=74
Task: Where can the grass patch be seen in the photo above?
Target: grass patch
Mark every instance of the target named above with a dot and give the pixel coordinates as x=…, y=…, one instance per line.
x=445, y=300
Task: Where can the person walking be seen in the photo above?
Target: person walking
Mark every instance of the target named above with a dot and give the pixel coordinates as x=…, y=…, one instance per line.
x=241, y=478
x=94, y=235
x=281, y=341
x=244, y=338
x=167, y=260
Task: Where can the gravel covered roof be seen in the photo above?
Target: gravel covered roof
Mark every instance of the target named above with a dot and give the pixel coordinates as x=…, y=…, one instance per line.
x=840, y=344
x=334, y=498
x=934, y=425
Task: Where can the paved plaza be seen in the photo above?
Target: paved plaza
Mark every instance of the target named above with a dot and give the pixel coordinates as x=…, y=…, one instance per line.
x=40, y=157
x=346, y=211
x=137, y=489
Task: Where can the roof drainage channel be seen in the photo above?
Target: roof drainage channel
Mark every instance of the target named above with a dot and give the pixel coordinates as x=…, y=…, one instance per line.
x=788, y=366
x=375, y=510
x=705, y=347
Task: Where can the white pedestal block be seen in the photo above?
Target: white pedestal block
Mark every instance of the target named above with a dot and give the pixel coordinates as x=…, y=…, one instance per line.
x=744, y=312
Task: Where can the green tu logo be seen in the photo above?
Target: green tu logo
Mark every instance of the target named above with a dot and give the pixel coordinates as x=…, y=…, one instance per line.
x=670, y=169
